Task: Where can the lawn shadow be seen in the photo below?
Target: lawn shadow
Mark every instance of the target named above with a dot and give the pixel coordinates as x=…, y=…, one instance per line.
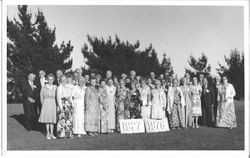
x=21, y=119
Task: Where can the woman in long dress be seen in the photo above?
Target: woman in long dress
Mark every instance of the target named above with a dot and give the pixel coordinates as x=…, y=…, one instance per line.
x=145, y=97
x=186, y=91
x=159, y=102
x=92, y=109
x=48, y=111
x=176, y=104
x=226, y=111
x=111, y=90
x=65, y=110
x=103, y=110
x=122, y=104
x=78, y=106
x=134, y=102
x=196, y=90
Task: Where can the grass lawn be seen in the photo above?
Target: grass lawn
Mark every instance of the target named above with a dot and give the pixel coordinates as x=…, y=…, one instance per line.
x=203, y=138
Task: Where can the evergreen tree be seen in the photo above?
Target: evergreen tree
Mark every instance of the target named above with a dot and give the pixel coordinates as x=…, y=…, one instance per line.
x=31, y=47
x=199, y=66
x=166, y=66
x=119, y=56
x=234, y=71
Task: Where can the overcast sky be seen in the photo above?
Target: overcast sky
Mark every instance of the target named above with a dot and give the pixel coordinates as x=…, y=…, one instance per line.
x=178, y=31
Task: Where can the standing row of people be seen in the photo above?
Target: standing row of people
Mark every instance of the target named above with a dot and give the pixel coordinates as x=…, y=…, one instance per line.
x=89, y=104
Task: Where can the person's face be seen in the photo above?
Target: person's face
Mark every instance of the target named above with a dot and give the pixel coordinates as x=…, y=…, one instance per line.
x=195, y=80
x=161, y=76
x=32, y=77
x=115, y=80
x=108, y=74
x=149, y=81
x=218, y=79
x=103, y=84
x=158, y=84
x=64, y=80
x=201, y=77
x=122, y=83
x=128, y=80
x=132, y=73
x=59, y=73
x=87, y=77
x=50, y=80
x=81, y=81
x=184, y=81
x=41, y=74
x=69, y=80
x=124, y=76
x=152, y=74
x=138, y=78
x=224, y=80
x=187, y=75
x=110, y=82
x=175, y=83
x=93, y=82
x=143, y=83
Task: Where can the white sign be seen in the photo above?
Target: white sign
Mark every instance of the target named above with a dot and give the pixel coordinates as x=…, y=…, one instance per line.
x=153, y=126
x=132, y=126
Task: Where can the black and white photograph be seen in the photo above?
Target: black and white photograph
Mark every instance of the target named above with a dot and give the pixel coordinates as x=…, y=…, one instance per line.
x=126, y=77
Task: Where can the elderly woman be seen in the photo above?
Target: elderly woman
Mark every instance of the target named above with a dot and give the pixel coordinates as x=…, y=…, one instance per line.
x=65, y=109
x=135, y=102
x=103, y=104
x=176, y=102
x=196, y=90
x=146, y=98
x=122, y=104
x=226, y=111
x=92, y=109
x=48, y=111
x=159, y=101
x=78, y=106
x=187, y=111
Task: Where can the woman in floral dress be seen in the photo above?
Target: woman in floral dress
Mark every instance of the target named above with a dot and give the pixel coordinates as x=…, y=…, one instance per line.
x=146, y=98
x=176, y=104
x=122, y=104
x=92, y=109
x=64, y=110
x=226, y=111
x=196, y=90
x=103, y=110
x=135, y=102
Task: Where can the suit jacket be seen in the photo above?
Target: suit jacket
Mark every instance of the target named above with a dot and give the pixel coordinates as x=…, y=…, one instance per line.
x=207, y=97
x=28, y=92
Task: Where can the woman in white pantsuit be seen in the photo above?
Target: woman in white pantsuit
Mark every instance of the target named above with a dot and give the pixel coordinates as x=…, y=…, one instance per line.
x=78, y=106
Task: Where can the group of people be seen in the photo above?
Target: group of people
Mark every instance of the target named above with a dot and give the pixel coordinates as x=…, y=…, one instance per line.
x=80, y=104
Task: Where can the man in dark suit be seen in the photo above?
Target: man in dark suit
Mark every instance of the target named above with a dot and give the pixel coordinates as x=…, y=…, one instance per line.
x=39, y=82
x=207, y=103
x=29, y=96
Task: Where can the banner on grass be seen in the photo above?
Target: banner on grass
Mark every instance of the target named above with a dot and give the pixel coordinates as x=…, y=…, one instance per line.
x=132, y=126
x=153, y=126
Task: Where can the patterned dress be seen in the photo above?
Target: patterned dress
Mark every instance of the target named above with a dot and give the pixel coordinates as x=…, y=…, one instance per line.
x=135, y=104
x=92, y=110
x=103, y=111
x=186, y=91
x=196, y=100
x=226, y=111
x=122, y=106
x=64, y=112
x=159, y=102
x=177, y=119
x=145, y=109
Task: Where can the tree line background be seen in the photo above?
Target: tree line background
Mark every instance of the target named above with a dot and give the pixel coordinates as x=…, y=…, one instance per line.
x=31, y=46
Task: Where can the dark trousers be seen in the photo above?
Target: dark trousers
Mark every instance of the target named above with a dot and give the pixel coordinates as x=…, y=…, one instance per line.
x=29, y=113
x=207, y=116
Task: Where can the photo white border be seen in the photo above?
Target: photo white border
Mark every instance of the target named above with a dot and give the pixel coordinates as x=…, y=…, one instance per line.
x=125, y=153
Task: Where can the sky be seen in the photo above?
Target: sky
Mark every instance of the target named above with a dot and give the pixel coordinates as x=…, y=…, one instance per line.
x=178, y=31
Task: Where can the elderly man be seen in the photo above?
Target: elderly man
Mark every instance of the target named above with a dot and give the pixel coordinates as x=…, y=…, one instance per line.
x=132, y=76
x=108, y=75
x=59, y=73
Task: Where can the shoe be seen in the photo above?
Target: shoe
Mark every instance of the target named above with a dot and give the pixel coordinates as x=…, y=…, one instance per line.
x=79, y=135
x=53, y=137
x=197, y=126
x=91, y=134
x=48, y=137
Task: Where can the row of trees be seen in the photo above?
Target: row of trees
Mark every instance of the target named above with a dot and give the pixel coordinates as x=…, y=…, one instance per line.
x=32, y=46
